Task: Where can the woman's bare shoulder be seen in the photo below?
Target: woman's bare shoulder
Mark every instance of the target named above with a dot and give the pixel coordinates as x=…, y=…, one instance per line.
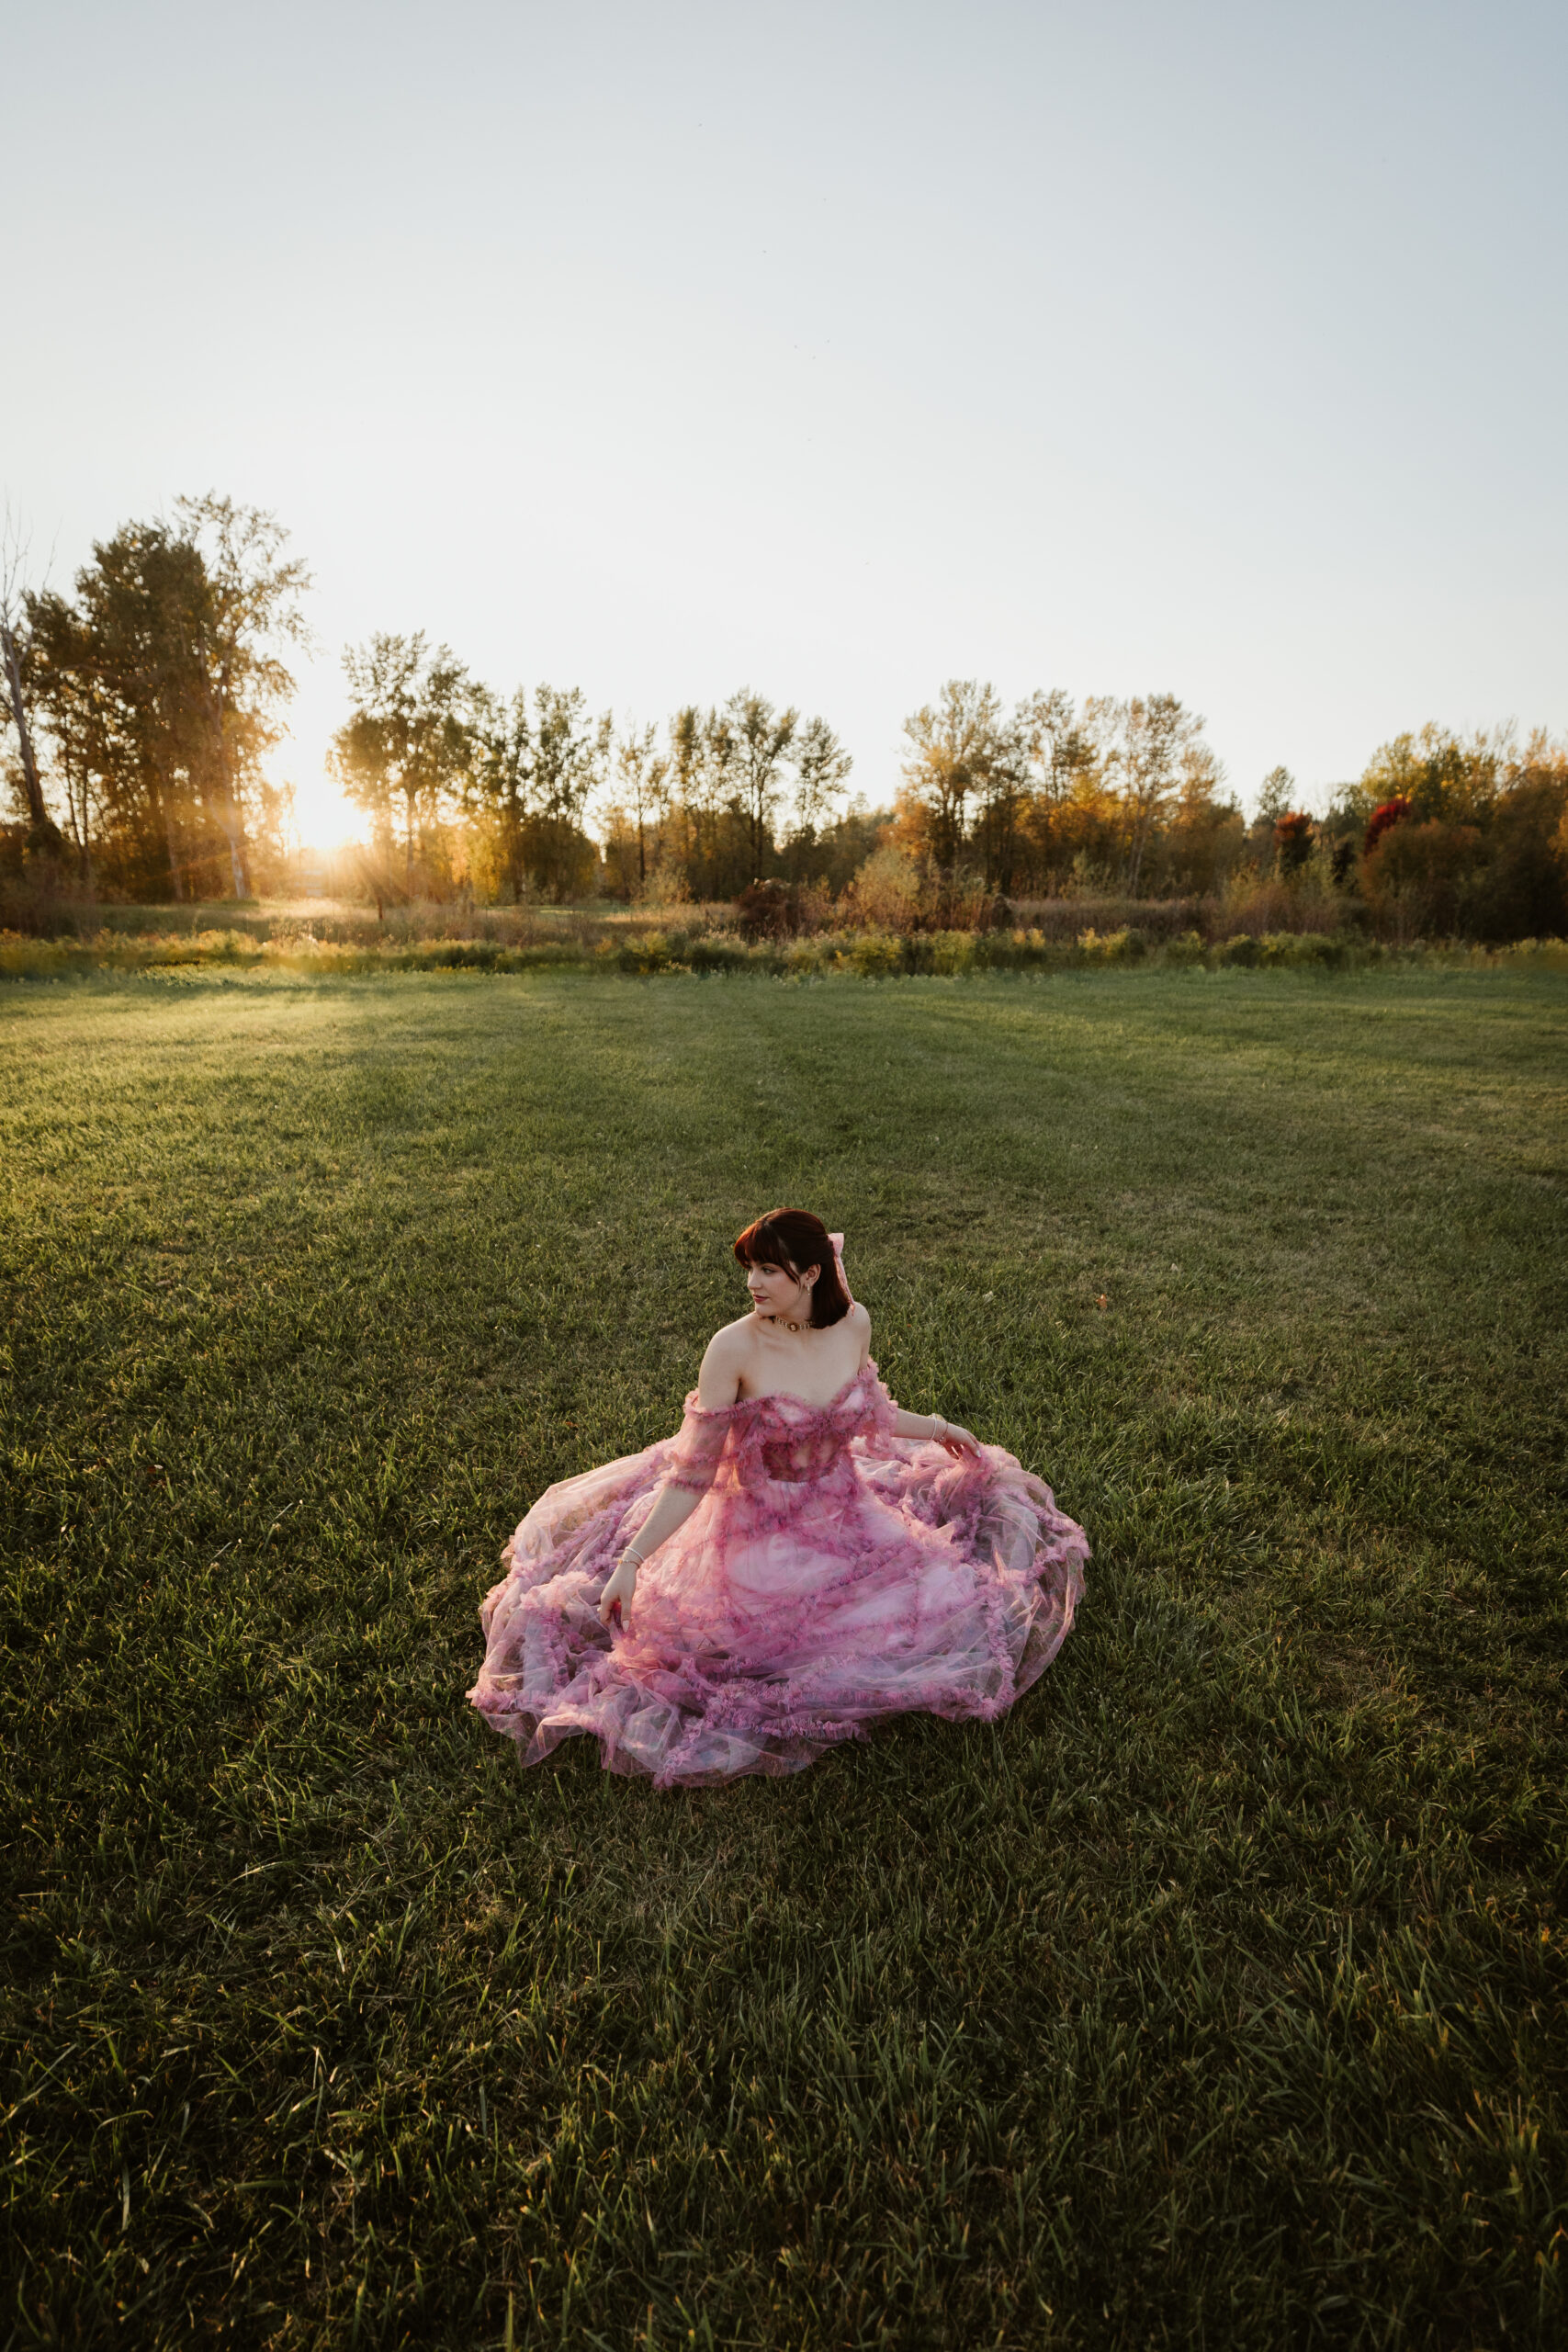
x=732, y=1339
x=723, y=1359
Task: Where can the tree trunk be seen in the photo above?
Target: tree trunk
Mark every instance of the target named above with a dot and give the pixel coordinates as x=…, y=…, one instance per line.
x=38, y=814
x=80, y=819
x=231, y=826
x=408, y=848
x=175, y=876
x=227, y=795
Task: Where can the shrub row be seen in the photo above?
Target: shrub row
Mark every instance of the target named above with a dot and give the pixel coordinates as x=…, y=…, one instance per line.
x=887, y=954
x=866, y=954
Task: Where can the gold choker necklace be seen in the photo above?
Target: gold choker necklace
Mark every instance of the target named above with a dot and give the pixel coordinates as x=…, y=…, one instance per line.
x=785, y=1321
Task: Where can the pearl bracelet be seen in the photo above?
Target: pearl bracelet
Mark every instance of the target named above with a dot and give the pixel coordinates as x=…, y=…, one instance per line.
x=939, y=1427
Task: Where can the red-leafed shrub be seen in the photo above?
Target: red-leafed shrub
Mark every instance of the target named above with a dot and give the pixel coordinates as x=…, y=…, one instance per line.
x=1389, y=813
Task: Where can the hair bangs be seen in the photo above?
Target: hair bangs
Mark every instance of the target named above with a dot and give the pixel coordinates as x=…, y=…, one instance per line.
x=795, y=1241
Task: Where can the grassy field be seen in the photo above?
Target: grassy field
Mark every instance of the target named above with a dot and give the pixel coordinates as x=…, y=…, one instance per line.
x=1214, y=1998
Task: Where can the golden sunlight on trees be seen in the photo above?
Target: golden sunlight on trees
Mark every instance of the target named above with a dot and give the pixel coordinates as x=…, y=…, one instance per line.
x=1443, y=835
x=137, y=714
x=155, y=693
x=488, y=793
x=738, y=794
x=404, y=744
x=477, y=793
x=572, y=753
x=1034, y=797
x=959, y=749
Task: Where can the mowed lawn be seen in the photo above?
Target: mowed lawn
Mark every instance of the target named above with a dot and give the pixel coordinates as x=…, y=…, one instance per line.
x=1216, y=1997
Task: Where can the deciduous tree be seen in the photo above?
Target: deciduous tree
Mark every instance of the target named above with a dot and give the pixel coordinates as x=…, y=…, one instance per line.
x=954, y=745
x=252, y=610
x=136, y=629
x=163, y=686
x=500, y=775
x=407, y=740
x=572, y=752
x=823, y=768
x=1153, y=730
x=642, y=773
x=758, y=739
x=15, y=637
x=60, y=684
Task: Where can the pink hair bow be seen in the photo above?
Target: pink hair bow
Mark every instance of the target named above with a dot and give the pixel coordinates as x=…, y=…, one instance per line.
x=837, y=1241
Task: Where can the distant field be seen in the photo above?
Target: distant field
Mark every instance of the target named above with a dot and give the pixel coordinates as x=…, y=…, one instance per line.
x=1215, y=1997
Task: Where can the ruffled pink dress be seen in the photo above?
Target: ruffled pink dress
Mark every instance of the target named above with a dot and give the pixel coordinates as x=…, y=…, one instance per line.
x=832, y=1573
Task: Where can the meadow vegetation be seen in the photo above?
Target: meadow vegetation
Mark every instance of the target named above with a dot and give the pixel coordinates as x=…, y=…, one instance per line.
x=327, y=939
x=1214, y=1998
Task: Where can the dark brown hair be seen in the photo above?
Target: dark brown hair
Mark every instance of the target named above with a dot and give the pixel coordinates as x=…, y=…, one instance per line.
x=795, y=1240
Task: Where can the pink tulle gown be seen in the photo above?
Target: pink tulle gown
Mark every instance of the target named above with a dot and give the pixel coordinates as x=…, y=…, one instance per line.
x=832, y=1573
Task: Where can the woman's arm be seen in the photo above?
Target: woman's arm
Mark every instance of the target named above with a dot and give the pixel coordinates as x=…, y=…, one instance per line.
x=718, y=1384
x=673, y=1506
x=951, y=1434
x=928, y=1425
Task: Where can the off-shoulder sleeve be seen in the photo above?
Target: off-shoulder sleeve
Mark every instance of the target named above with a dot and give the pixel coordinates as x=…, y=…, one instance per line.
x=879, y=1428
x=695, y=1462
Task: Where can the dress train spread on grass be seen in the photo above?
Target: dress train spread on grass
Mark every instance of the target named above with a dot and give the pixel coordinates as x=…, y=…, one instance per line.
x=832, y=1573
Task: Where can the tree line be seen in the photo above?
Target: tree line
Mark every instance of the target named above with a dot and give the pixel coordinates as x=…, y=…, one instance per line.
x=461, y=785
x=1121, y=792
x=1442, y=833
x=140, y=712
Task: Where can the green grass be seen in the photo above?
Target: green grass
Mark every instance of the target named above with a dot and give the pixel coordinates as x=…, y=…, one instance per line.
x=1214, y=1998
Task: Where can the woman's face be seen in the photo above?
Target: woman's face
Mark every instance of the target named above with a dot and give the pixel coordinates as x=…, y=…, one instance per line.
x=776, y=1291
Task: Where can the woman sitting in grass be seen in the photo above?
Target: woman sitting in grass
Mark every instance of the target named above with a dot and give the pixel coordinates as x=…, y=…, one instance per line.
x=802, y=1559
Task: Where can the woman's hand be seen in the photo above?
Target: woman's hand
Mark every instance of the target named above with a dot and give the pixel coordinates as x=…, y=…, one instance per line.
x=929, y=1428
x=956, y=1438
x=616, y=1596
x=673, y=1506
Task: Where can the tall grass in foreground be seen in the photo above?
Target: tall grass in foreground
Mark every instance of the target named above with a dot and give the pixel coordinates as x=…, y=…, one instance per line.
x=1215, y=1997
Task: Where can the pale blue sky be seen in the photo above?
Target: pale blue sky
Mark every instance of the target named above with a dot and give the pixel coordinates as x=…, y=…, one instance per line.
x=836, y=350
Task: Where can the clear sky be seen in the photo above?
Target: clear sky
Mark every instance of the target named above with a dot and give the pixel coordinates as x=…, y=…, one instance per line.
x=1114, y=345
